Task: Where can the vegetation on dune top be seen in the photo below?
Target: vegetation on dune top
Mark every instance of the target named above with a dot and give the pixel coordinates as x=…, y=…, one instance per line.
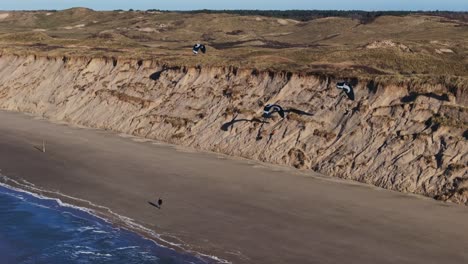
x=340, y=43
x=301, y=15
x=305, y=15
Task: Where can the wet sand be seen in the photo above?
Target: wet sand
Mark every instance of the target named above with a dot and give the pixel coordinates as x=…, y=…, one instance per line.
x=242, y=211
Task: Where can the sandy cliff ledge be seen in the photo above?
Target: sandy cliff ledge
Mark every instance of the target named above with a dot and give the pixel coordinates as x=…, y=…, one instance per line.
x=407, y=134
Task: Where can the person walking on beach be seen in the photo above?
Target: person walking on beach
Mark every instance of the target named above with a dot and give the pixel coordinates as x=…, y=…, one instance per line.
x=157, y=204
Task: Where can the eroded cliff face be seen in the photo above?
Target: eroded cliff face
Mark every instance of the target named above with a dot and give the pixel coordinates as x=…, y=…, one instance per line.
x=405, y=137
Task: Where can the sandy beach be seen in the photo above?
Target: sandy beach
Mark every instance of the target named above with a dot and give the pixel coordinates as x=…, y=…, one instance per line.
x=238, y=210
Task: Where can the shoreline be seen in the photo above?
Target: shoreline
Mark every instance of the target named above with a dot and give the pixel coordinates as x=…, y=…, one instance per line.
x=239, y=210
x=110, y=217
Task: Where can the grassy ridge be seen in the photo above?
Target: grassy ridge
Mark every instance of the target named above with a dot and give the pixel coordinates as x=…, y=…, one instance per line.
x=342, y=43
x=305, y=15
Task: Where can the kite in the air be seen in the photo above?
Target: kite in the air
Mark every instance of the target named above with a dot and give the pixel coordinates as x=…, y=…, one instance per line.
x=198, y=47
x=347, y=88
x=269, y=109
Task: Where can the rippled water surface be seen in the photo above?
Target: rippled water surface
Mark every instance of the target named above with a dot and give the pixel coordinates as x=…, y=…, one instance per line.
x=36, y=230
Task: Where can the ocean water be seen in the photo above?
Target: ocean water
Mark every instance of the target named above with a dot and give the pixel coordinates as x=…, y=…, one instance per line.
x=37, y=230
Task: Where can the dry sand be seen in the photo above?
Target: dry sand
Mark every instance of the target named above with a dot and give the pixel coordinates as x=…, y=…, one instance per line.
x=239, y=210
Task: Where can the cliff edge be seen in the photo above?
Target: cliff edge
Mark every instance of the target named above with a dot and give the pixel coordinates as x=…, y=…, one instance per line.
x=405, y=134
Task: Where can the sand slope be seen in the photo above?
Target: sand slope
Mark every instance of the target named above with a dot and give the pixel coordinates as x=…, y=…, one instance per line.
x=402, y=135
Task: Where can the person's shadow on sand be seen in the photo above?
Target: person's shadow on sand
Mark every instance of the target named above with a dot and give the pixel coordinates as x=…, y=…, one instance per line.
x=38, y=148
x=158, y=205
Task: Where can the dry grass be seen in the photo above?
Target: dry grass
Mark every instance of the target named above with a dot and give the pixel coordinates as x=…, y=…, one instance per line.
x=329, y=45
